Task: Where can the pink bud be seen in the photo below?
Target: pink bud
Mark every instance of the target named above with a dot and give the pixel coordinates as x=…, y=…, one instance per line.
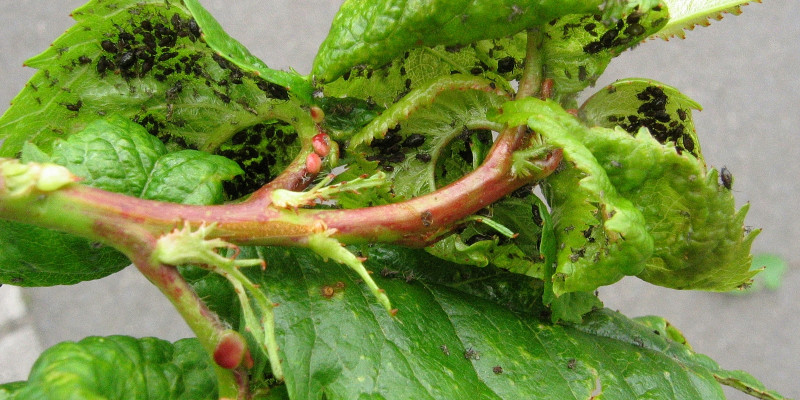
x=230, y=350
x=317, y=115
x=321, y=144
x=313, y=163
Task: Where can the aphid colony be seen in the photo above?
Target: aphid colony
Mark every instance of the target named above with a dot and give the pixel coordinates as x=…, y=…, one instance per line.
x=390, y=148
x=653, y=114
x=262, y=151
x=620, y=34
x=148, y=46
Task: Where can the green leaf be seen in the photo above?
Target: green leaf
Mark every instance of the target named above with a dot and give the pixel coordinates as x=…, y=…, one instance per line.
x=576, y=49
x=686, y=14
x=34, y=256
x=480, y=245
x=700, y=239
x=444, y=343
x=116, y=155
x=142, y=60
x=121, y=367
x=770, y=268
x=190, y=177
x=235, y=52
x=499, y=60
x=696, y=237
x=410, y=139
x=601, y=235
x=373, y=33
x=633, y=103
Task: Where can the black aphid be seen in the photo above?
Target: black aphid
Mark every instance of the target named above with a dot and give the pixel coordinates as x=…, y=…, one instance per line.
x=74, y=107
x=108, y=46
x=414, y=140
x=424, y=157
x=194, y=29
x=126, y=60
x=174, y=90
x=104, y=64
x=506, y=64
x=726, y=178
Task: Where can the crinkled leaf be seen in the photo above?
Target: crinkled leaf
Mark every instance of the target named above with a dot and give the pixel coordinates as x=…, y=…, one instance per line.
x=633, y=103
x=347, y=114
x=479, y=244
x=500, y=60
x=447, y=344
x=190, y=177
x=144, y=61
x=568, y=307
x=373, y=33
x=235, y=52
x=410, y=140
x=686, y=14
x=576, y=49
x=700, y=239
x=601, y=235
x=121, y=367
x=116, y=155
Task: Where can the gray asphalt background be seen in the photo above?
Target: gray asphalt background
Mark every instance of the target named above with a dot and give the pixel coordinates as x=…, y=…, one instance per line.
x=743, y=70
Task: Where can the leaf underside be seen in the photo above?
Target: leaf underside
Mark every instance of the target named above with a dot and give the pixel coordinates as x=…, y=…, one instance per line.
x=687, y=14
x=144, y=60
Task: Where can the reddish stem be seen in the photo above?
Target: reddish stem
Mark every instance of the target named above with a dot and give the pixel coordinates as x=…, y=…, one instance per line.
x=128, y=222
x=422, y=220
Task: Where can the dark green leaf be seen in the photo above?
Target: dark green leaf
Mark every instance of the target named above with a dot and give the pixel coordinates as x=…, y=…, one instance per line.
x=373, y=33
x=121, y=367
x=446, y=344
x=190, y=177
x=139, y=59
x=34, y=256
x=216, y=292
x=116, y=155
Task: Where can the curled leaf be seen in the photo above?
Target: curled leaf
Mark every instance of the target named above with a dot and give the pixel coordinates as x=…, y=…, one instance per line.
x=601, y=236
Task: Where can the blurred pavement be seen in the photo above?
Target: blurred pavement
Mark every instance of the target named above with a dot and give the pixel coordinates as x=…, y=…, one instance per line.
x=743, y=70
